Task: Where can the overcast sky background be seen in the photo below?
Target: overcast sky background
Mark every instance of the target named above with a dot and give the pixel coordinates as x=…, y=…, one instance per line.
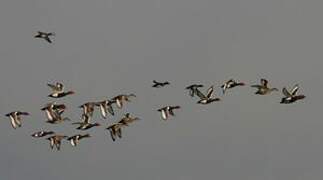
x=107, y=47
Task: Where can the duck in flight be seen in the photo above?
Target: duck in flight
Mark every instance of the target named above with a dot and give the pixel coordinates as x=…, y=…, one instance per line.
x=167, y=110
x=42, y=134
x=291, y=96
x=15, y=118
x=263, y=88
x=120, y=99
x=85, y=123
x=53, y=110
x=74, y=140
x=45, y=36
x=231, y=84
x=159, y=84
x=115, y=130
x=105, y=106
x=127, y=119
x=208, y=98
x=193, y=89
x=58, y=90
x=88, y=108
x=56, y=141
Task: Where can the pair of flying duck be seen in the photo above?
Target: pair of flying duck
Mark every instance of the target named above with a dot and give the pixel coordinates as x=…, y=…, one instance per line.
x=116, y=128
x=289, y=96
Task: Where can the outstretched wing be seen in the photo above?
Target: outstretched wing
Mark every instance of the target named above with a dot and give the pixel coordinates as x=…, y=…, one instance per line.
x=200, y=94
x=209, y=92
x=286, y=92
x=294, y=90
x=48, y=39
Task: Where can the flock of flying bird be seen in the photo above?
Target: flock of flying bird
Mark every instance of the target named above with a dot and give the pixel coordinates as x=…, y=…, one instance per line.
x=54, y=112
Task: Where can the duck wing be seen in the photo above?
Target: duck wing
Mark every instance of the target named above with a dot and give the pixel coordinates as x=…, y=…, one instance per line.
x=286, y=92
x=200, y=94
x=110, y=110
x=209, y=92
x=48, y=39
x=294, y=90
x=164, y=114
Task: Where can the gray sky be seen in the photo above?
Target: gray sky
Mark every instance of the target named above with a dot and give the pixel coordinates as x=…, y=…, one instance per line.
x=106, y=47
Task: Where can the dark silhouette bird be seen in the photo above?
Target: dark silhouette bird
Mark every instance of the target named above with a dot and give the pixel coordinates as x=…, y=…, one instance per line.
x=291, y=96
x=45, y=36
x=193, y=89
x=15, y=118
x=159, y=84
x=263, y=88
x=167, y=110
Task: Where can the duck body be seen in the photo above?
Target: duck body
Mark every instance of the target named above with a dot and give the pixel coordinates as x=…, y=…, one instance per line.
x=42, y=134
x=60, y=95
x=263, y=88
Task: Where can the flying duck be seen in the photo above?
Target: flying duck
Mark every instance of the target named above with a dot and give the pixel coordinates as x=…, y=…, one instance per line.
x=159, y=84
x=193, y=88
x=105, y=106
x=74, y=140
x=122, y=98
x=88, y=108
x=55, y=140
x=115, y=130
x=127, y=119
x=263, y=88
x=231, y=84
x=58, y=90
x=44, y=35
x=167, y=110
x=290, y=96
x=15, y=118
x=85, y=124
x=52, y=110
x=208, y=98
x=42, y=134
